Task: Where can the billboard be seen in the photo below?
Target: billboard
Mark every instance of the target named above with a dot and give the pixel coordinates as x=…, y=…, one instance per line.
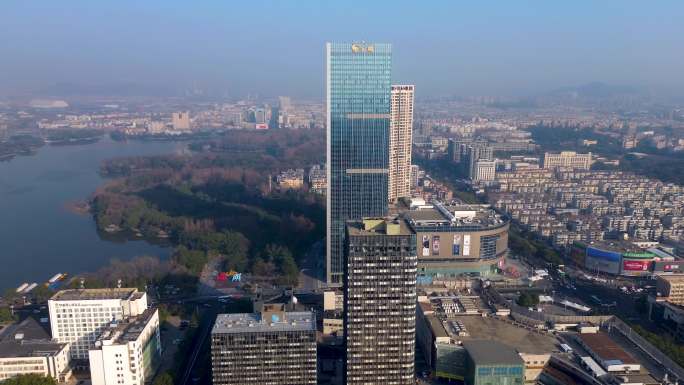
x=635, y=267
x=602, y=261
x=466, y=245
x=456, y=246
x=668, y=267
x=435, y=245
x=604, y=254
x=426, y=246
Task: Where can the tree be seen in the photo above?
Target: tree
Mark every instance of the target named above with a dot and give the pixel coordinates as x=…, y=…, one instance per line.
x=41, y=293
x=528, y=299
x=289, y=272
x=193, y=260
x=163, y=313
x=285, y=264
x=164, y=379
x=261, y=268
x=6, y=315
x=30, y=379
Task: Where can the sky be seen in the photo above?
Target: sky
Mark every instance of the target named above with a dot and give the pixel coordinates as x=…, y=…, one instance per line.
x=269, y=48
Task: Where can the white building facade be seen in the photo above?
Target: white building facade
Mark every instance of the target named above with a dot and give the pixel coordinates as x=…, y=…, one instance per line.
x=485, y=170
x=79, y=316
x=567, y=159
x=127, y=352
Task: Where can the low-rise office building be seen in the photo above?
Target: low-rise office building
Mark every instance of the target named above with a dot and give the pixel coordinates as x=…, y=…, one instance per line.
x=491, y=362
x=670, y=288
x=608, y=354
x=79, y=316
x=26, y=348
x=567, y=159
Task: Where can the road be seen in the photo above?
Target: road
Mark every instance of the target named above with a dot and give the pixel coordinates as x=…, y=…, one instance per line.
x=311, y=274
x=191, y=373
x=657, y=370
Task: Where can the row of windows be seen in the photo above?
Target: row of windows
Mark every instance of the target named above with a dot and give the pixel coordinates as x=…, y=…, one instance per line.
x=500, y=371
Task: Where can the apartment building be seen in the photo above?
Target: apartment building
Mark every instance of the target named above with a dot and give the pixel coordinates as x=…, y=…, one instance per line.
x=400, y=141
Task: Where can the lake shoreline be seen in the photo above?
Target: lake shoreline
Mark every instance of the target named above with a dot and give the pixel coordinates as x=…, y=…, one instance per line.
x=49, y=227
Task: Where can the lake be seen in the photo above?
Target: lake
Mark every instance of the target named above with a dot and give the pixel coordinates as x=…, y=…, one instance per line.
x=39, y=236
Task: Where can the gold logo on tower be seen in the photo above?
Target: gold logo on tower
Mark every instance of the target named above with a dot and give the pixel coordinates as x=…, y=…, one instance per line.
x=359, y=48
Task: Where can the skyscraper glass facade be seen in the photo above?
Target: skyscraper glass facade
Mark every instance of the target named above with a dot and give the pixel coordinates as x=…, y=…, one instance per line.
x=358, y=82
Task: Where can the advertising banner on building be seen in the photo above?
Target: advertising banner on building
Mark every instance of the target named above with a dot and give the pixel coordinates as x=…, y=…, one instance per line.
x=635, y=266
x=603, y=254
x=466, y=245
x=602, y=261
x=456, y=246
x=668, y=267
x=435, y=245
x=426, y=246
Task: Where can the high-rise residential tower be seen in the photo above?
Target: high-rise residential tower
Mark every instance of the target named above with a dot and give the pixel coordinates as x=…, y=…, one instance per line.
x=401, y=132
x=380, y=302
x=358, y=86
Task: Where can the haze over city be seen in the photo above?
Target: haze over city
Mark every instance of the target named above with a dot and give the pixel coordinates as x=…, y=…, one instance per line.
x=341, y=192
x=269, y=47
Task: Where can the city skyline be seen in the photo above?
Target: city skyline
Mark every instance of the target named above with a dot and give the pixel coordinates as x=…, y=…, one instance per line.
x=466, y=49
x=223, y=193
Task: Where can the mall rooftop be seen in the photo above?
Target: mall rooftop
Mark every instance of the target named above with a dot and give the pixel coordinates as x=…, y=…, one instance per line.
x=452, y=216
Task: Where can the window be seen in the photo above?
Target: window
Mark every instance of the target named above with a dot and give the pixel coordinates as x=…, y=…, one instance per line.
x=488, y=246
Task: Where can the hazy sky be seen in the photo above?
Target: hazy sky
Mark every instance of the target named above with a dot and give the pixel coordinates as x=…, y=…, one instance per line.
x=277, y=47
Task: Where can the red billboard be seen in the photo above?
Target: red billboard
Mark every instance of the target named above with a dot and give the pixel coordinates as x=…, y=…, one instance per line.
x=632, y=265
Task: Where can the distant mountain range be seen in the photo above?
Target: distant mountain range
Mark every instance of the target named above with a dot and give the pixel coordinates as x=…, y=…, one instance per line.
x=598, y=90
x=114, y=89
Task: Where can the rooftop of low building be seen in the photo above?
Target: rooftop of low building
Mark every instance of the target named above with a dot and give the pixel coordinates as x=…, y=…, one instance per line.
x=129, y=329
x=490, y=352
x=97, y=294
x=453, y=214
x=521, y=339
x=378, y=226
x=28, y=338
x=254, y=322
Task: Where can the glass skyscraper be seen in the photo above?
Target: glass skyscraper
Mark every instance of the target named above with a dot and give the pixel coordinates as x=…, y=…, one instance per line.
x=358, y=87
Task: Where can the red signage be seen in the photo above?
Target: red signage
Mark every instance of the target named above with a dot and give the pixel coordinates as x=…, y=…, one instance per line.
x=636, y=265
